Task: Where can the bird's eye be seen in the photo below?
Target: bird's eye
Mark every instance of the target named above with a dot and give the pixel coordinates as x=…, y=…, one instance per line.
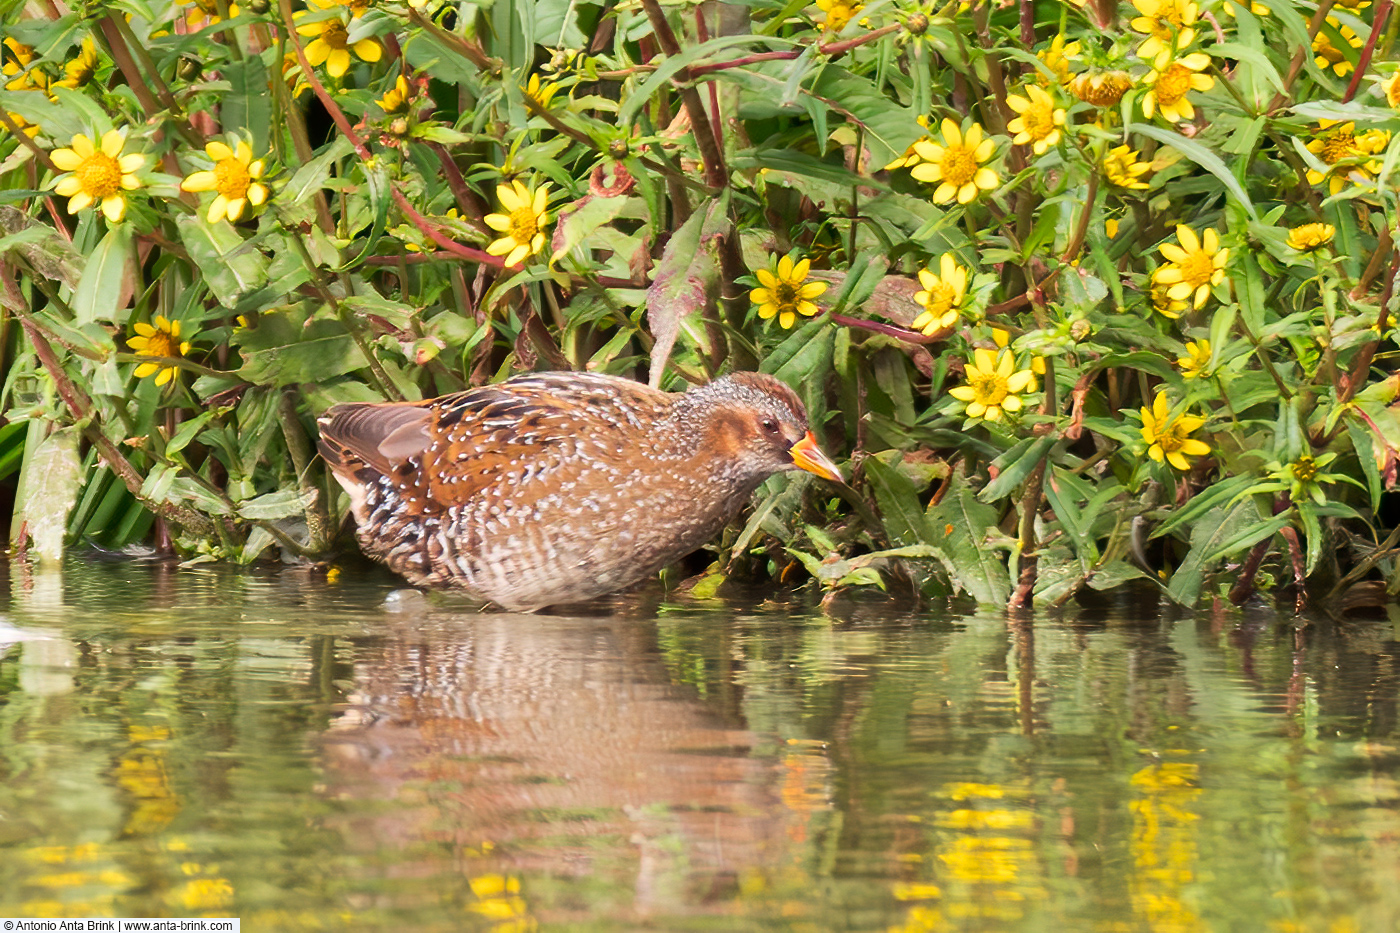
x=770, y=426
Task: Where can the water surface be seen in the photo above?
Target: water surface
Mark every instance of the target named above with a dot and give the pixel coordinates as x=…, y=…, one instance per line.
x=309, y=754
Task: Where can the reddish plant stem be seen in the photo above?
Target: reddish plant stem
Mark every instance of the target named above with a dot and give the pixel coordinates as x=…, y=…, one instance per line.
x=716, y=173
x=1378, y=24
x=833, y=48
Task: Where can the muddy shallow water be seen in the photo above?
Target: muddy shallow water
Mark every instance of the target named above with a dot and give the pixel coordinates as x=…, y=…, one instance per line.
x=308, y=754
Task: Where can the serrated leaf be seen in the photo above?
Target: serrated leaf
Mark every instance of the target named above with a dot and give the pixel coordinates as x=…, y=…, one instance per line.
x=960, y=526
x=284, y=503
x=229, y=267
x=686, y=279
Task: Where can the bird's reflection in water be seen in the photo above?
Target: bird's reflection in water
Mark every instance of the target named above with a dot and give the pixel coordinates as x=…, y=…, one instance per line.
x=551, y=745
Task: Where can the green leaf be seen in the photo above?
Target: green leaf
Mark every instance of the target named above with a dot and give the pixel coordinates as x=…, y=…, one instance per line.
x=284, y=503
x=1015, y=473
x=668, y=69
x=1218, y=526
x=280, y=353
x=48, y=488
x=230, y=268
x=898, y=501
x=1250, y=536
x=686, y=280
x=1206, y=500
x=961, y=526
x=1199, y=154
x=108, y=279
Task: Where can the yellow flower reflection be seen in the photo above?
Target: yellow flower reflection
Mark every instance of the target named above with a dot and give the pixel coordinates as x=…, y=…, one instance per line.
x=97, y=174
x=1167, y=437
x=784, y=292
x=994, y=386
x=234, y=177
x=161, y=338
x=522, y=222
x=942, y=296
x=956, y=164
x=1193, y=265
x=333, y=48
x=1038, y=120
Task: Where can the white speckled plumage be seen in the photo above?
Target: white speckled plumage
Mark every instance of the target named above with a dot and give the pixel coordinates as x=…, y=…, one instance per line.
x=558, y=487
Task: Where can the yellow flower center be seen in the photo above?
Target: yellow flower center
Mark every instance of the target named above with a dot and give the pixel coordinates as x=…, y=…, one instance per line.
x=785, y=296
x=160, y=344
x=1173, y=84
x=959, y=165
x=335, y=35
x=231, y=179
x=100, y=176
x=1197, y=268
x=1338, y=146
x=1039, y=120
x=1171, y=438
x=1305, y=469
x=523, y=224
x=990, y=387
x=941, y=298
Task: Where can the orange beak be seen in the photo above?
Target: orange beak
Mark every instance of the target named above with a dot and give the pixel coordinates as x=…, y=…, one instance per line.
x=808, y=456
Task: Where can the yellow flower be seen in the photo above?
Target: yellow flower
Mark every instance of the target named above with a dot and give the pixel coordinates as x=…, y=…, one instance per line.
x=206, y=13
x=1122, y=168
x=234, y=177
x=357, y=8
x=784, y=292
x=79, y=70
x=1392, y=90
x=1328, y=55
x=1101, y=88
x=1163, y=21
x=942, y=296
x=1039, y=121
x=1193, y=364
x=161, y=340
x=17, y=67
x=910, y=157
x=1057, y=58
x=397, y=98
x=957, y=164
x=1310, y=236
x=1346, y=153
x=1163, y=303
x=1167, y=437
x=97, y=175
x=332, y=46
x=522, y=222
x=541, y=92
x=1169, y=83
x=838, y=13
x=1193, y=266
x=993, y=385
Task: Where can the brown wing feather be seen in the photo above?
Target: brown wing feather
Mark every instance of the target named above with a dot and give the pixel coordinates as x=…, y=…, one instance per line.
x=442, y=452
